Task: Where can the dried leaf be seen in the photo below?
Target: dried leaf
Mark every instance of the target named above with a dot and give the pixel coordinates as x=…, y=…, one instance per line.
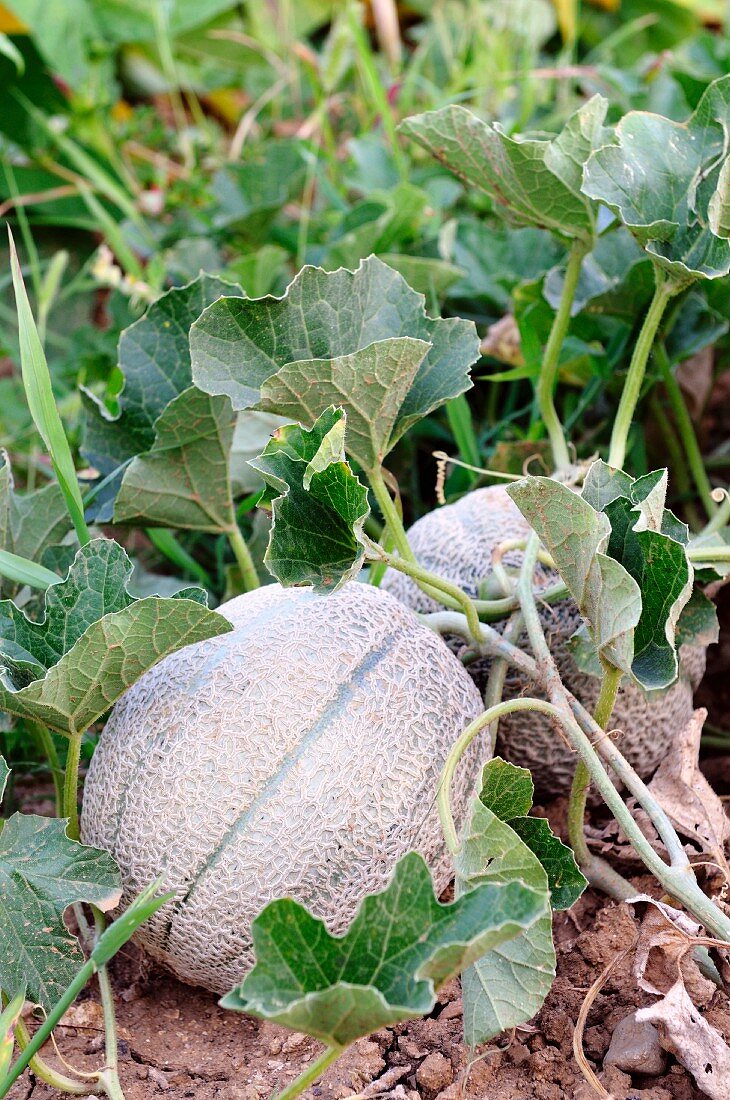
x=694, y=1043
x=690, y=802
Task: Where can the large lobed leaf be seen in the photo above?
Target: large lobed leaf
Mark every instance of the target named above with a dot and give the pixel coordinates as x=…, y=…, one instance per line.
x=533, y=182
x=238, y=345
x=507, y=986
x=42, y=872
x=669, y=182
x=184, y=479
x=402, y=945
x=154, y=358
x=623, y=557
x=94, y=641
x=318, y=505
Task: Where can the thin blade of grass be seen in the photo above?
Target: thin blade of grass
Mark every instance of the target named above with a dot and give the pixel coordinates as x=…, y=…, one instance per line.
x=41, y=402
x=23, y=571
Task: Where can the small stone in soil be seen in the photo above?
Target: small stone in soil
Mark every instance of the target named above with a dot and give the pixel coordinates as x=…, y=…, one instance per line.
x=434, y=1073
x=635, y=1048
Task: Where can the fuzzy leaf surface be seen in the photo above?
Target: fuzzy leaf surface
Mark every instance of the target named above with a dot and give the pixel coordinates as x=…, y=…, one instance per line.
x=577, y=537
x=669, y=183
x=239, y=343
x=318, y=505
x=401, y=946
x=507, y=986
x=42, y=872
x=625, y=523
x=154, y=357
x=371, y=385
x=184, y=480
x=534, y=182
x=94, y=641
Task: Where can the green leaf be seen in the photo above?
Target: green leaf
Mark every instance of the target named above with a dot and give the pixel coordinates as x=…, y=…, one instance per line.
x=658, y=563
x=41, y=402
x=154, y=358
x=239, y=343
x=577, y=537
x=318, y=504
x=399, y=949
x=623, y=556
x=94, y=641
x=507, y=790
x=371, y=385
x=668, y=182
x=500, y=844
x=698, y=623
x=42, y=872
x=532, y=182
x=184, y=480
x=64, y=31
x=507, y=986
x=29, y=524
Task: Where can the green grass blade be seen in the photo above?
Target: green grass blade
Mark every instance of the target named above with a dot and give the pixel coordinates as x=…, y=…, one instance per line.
x=165, y=541
x=41, y=402
x=23, y=571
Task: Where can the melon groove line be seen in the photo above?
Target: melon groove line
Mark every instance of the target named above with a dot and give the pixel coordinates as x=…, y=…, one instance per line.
x=159, y=735
x=332, y=711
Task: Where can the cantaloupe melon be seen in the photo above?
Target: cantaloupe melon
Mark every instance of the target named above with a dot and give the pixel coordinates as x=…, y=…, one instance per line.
x=298, y=756
x=457, y=541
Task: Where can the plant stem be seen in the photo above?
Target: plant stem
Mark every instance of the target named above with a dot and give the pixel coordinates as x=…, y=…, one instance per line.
x=239, y=546
x=112, y=940
x=720, y=518
x=311, y=1074
x=433, y=585
x=581, y=779
x=498, y=673
x=492, y=714
x=663, y=291
x=708, y=554
x=46, y=1073
x=390, y=514
x=44, y=737
x=70, y=804
x=110, y=1075
x=686, y=433
x=551, y=357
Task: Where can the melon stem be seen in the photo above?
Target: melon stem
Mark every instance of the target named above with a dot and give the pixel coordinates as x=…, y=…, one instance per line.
x=71, y=786
x=581, y=778
x=663, y=291
x=547, y=378
x=311, y=1074
x=390, y=514
x=677, y=877
x=244, y=561
x=48, y=1074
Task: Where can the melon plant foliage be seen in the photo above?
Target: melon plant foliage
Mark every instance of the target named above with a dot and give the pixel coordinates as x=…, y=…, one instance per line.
x=351, y=361
x=92, y=641
x=42, y=873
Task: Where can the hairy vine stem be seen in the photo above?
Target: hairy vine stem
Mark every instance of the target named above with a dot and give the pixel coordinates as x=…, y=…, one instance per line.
x=245, y=562
x=663, y=291
x=677, y=877
x=551, y=358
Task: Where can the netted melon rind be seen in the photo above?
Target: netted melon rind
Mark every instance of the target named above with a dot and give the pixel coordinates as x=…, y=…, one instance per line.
x=457, y=541
x=298, y=755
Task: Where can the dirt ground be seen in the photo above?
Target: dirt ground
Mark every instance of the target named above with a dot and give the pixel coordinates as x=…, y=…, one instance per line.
x=176, y=1042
